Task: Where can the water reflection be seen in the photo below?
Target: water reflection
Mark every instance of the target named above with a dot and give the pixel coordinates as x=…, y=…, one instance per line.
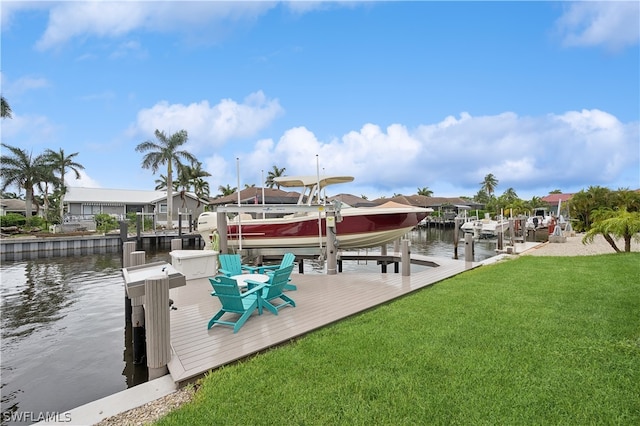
x=64, y=341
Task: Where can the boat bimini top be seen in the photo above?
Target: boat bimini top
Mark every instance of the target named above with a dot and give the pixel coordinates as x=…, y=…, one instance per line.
x=310, y=184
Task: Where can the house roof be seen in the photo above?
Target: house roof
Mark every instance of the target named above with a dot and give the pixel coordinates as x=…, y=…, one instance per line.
x=106, y=195
x=424, y=201
x=253, y=195
x=124, y=196
x=352, y=200
x=14, y=204
x=553, y=199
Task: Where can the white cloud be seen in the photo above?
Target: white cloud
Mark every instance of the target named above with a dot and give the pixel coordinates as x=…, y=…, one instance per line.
x=69, y=20
x=533, y=155
x=613, y=24
x=85, y=180
x=574, y=149
x=22, y=85
x=28, y=131
x=210, y=125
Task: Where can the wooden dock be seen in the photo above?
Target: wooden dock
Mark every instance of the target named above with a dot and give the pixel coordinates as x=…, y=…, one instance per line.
x=320, y=300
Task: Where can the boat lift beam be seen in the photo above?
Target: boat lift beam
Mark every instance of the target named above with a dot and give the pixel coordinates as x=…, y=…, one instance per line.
x=275, y=208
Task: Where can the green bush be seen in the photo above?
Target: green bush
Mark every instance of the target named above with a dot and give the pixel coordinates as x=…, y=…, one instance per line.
x=12, y=219
x=36, y=222
x=105, y=222
x=132, y=221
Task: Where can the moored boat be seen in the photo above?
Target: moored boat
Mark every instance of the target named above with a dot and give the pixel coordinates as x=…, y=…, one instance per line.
x=487, y=227
x=356, y=227
x=540, y=219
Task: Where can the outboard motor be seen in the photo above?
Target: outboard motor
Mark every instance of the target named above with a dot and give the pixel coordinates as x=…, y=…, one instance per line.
x=207, y=224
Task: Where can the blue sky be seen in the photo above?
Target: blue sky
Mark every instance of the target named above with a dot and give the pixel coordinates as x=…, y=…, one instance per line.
x=400, y=95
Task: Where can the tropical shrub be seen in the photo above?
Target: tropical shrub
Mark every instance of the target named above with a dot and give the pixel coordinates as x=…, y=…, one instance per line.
x=105, y=222
x=12, y=219
x=36, y=222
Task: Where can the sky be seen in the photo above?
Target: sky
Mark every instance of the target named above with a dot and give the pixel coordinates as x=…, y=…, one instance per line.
x=400, y=95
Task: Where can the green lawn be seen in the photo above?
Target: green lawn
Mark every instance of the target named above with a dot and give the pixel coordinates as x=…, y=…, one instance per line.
x=535, y=340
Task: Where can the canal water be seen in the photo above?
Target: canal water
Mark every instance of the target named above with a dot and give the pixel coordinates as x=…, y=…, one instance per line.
x=64, y=340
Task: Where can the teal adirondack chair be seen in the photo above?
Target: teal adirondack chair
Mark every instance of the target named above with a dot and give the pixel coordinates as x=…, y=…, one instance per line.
x=287, y=260
x=230, y=265
x=273, y=290
x=234, y=302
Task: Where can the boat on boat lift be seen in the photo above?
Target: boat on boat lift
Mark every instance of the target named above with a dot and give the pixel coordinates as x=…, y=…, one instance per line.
x=356, y=227
x=487, y=227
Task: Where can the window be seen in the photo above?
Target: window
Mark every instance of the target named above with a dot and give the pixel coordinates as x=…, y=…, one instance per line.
x=163, y=207
x=90, y=210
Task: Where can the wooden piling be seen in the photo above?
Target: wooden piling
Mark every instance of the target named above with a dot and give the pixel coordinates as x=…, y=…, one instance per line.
x=137, y=314
x=157, y=311
x=331, y=246
x=221, y=219
x=127, y=248
x=456, y=236
x=383, y=265
x=468, y=249
x=406, y=258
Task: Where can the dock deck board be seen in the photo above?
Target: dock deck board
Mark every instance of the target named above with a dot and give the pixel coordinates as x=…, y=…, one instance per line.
x=320, y=300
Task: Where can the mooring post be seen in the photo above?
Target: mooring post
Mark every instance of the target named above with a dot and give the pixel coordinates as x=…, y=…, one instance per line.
x=176, y=244
x=221, y=219
x=468, y=250
x=127, y=248
x=331, y=243
x=157, y=324
x=512, y=234
x=383, y=264
x=137, y=258
x=500, y=242
x=406, y=258
x=456, y=237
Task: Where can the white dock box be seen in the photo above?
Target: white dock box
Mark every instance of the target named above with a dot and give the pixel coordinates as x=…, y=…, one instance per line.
x=195, y=263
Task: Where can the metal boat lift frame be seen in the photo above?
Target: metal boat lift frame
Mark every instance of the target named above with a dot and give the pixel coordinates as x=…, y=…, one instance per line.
x=332, y=215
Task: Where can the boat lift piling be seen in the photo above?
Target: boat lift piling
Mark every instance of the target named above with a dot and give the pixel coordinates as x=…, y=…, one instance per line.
x=147, y=285
x=137, y=258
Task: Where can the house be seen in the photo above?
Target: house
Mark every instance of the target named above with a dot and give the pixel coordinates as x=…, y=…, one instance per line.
x=352, y=200
x=85, y=203
x=15, y=205
x=553, y=199
x=253, y=195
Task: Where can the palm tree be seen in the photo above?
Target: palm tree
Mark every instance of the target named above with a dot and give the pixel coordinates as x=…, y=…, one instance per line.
x=6, y=109
x=489, y=184
x=425, y=191
x=165, y=151
x=584, y=203
x=161, y=183
x=226, y=190
x=61, y=163
x=274, y=173
x=614, y=224
x=24, y=171
x=47, y=178
x=201, y=188
x=196, y=171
